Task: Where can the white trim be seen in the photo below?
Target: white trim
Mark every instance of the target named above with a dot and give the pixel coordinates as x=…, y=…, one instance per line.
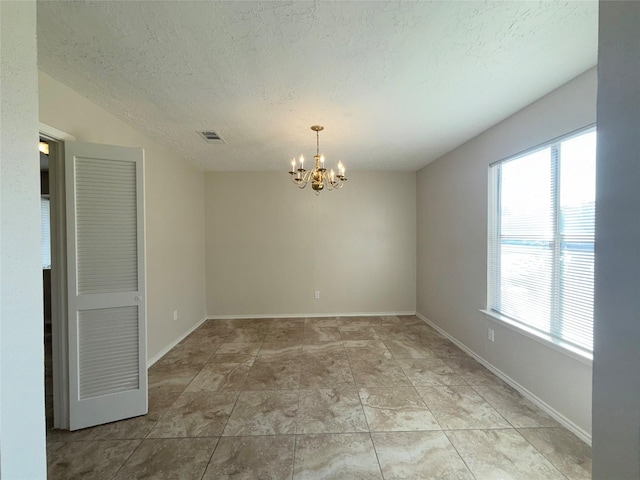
x=55, y=134
x=578, y=431
x=303, y=315
x=168, y=348
x=59, y=317
x=546, y=340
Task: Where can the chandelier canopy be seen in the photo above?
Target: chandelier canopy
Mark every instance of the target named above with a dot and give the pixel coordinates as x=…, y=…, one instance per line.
x=318, y=177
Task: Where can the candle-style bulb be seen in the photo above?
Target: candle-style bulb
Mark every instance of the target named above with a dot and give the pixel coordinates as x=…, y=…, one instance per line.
x=301, y=161
x=293, y=165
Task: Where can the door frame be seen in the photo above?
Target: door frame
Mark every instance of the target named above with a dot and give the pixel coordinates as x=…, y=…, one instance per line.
x=59, y=311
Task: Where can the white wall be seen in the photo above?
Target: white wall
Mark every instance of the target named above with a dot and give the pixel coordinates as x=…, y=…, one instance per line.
x=271, y=245
x=174, y=212
x=22, y=426
x=616, y=367
x=452, y=249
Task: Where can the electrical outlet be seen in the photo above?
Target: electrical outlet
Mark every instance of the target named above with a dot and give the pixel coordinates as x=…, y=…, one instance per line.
x=317, y=296
x=175, y=315
x=491, y=335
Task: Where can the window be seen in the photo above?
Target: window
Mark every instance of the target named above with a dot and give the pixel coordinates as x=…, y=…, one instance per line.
x=541, y=239
x=45, y=234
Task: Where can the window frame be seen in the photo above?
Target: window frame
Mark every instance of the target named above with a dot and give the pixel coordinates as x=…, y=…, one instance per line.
x=493, y=254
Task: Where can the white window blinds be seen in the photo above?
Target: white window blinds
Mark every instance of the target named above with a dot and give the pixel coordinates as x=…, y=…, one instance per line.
x=45, y=233
x=541, y=239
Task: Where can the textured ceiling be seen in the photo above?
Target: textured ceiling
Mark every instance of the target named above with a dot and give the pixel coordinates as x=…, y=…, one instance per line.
x=395, y=83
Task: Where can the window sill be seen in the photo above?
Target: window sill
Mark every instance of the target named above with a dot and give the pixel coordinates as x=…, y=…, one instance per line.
x=546, y=340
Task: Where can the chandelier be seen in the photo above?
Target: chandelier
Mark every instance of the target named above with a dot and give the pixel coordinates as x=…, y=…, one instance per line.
x=318, y=177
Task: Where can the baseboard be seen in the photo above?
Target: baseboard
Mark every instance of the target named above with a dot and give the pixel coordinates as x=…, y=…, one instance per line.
x=314, y=315
x=571, y=426
x=166, y=349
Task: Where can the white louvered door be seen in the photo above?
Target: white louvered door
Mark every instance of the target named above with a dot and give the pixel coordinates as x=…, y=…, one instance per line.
x=107, y=285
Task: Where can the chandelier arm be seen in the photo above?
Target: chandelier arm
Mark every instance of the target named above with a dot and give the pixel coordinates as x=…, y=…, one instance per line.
x=308, y=175
x=330, y=185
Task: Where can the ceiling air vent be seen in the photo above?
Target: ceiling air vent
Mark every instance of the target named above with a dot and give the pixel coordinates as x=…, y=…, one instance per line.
x=211, y=137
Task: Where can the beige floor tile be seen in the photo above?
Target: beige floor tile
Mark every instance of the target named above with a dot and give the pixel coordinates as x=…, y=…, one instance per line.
x=405, y=348
x=285, y=334
x=160, y=399
x=287, y=322
x=377, y=372
x=279, y=351
x=97, y=460
x=389, y=331
x=445, y=350
x=358, y=321
x=390, y=320
x=563, y=449
x=501, y=454
x=315, y=398
x=419, y=456
x=519, y=411
x=422, y=328
x=263, y=413
x=214, y=327
x=346, y=456
x=366, y=348
x=321, y=321
x=232, y=358
x=325, y=372
x=396, y=409
x=358, y=333
x=246, y=336
x=472, y=372
x=273, y=375
x=216, y=377
x=429, y=372
x=191, y=353
x=196, y=414
x=169, y=458
x=252, y=458
x=53, y=446
x=176, y=377
x=460, y=407
x=239, y=348
x=318, y=333
x=333, y=349
x=336, y=410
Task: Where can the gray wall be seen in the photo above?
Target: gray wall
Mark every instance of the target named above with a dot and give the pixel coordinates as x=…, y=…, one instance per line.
x=174, y=191
x=452, y=251
x=22, y=425
x=271, y=245
x=616, y=367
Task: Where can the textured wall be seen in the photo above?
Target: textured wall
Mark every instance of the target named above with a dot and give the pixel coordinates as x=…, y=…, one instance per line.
x=452, y=249
x=174, y=212
x=22, y=426
x=616, y=381
x=270, y=246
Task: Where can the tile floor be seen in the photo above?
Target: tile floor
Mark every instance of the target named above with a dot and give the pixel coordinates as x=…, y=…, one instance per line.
x=323, y=398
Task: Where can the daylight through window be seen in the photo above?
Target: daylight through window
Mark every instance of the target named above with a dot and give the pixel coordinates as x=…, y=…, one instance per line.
x=541, y=239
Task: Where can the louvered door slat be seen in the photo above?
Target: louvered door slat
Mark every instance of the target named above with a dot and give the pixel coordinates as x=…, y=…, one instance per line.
x=105, y=219
x=107, y=332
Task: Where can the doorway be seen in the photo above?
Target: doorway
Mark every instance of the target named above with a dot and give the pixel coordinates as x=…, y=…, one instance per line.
x=53, y=253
